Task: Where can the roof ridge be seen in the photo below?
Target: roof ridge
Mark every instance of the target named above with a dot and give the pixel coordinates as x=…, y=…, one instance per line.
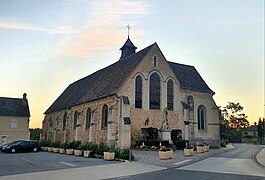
x=180, y=64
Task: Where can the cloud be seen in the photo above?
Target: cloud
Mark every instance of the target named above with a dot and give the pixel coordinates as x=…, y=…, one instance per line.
x=105, y=24
x=14, y=25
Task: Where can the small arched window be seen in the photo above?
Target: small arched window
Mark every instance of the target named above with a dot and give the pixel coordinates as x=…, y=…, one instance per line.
x=154, y=93
x=104, y=116
x=88, y=118
x=170, y=95
x=138, y=92
x=75, y=119
x=201, y=117
x=64, y=120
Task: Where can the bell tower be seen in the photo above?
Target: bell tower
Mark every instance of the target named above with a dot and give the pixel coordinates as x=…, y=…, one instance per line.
x=128, y=48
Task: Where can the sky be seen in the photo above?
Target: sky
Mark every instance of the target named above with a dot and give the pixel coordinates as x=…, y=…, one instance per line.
x=47, y=45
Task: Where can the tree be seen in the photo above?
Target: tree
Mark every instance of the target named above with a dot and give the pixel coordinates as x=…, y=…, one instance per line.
x=233, y=117
x=35, y=134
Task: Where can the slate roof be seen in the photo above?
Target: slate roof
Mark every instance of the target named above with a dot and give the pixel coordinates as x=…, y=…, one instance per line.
x=106, y=81
x=14, y=107
x=128, y=43
x=189, y=78
x=100, y=84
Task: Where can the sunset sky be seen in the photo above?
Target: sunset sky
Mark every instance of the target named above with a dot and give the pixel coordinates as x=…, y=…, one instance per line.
x=45, y=45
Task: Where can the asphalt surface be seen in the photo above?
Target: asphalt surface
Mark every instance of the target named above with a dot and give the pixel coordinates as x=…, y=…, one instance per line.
x=20, y=163
x=237, y=164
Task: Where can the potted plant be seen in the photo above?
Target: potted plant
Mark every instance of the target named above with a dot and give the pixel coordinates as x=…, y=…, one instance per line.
x=188, y=150
x=76, y=147
x=86, y=149
x=108, y=152
x=199, y=148
x=50, y=148
x=62, y=148
x=205, y=147
x=44, y=145
x=69, y=148
x=55, y=146
x=165, y=153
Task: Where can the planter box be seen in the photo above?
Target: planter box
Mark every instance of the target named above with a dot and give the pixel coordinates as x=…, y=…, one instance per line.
x=206, y=148
x=86, y=153
x=188, y=152
x=50, y=149
x=69, y=151
x=56, y=150
x=109, y=155
x=44, y=148
x=78, y=152
x=200, y=149
x=62, y=151
x=166, y=154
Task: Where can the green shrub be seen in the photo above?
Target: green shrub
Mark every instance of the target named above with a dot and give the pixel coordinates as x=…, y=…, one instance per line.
x=125, y=154
x=55, y=144
x=102, y=147
x=45, y=143
x=180, y=144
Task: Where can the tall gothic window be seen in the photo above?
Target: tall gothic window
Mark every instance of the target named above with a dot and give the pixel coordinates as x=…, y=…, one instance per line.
x=201, y=117
x=138, y=92
x=75, y=119
x=88, y=118
x=170, y=95
x=64, y=120
x=154, y=93
x=104, y=116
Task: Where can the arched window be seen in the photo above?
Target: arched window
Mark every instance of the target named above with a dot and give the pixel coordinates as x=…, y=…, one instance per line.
x=104, y=116
x=170, y=95
x=201, y=117
x=88, y=118
x=75, y=119
x=154, y=93
x=64, y=120
x=138, y=92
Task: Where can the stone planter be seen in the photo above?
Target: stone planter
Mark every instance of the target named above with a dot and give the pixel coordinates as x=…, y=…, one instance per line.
x=44, y=148
x=206, y=148
x=109, y=155
x=78, y=152
x=56, y=150
x=200, y=149
x=86, y=153
x=62, y=151
x=166, y=154
x=188, y=152
x=69, y=151
x=50, y=149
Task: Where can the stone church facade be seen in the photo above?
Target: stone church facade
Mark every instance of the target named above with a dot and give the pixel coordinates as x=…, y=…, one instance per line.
x=140, y=90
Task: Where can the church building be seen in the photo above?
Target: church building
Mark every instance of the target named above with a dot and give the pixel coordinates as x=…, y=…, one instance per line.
x=142, y=89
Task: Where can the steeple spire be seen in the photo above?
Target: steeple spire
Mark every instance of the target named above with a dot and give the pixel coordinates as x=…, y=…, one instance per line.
x=128, y=30
x=128, y=48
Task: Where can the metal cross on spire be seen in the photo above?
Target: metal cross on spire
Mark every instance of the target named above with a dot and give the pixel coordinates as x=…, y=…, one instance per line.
x=128, y=29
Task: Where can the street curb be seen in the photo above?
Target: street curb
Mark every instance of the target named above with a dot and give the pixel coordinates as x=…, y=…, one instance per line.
x=255, y=160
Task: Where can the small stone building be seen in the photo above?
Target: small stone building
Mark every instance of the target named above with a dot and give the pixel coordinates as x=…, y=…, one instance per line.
x=14, y=119
x=142, y=89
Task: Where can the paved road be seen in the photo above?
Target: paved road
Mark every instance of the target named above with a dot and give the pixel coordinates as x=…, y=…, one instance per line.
x=236, y=164
x=20, y=163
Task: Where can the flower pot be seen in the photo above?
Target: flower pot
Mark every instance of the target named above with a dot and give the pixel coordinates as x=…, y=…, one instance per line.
x=166, y=154
x=78, y=152
x=109, y=155
x=200, y=149
x=62, y=151
x=56, y=150
x=206, y=148
x=188, y=152
x=50, y=149
x=86, y=153
x=69, y=151
x=44, y=148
